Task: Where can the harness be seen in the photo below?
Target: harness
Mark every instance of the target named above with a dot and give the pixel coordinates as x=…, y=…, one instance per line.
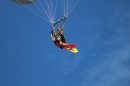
x=56, y=36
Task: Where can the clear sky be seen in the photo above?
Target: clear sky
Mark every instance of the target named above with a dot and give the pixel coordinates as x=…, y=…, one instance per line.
x=99, y=28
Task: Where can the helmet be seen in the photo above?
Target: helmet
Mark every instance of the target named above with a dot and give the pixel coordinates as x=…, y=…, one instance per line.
x=59, y=27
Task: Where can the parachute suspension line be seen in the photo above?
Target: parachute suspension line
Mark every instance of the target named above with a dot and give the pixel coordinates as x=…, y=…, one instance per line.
x=49, y=9
x=50, y=12
x=32, y=11
x=63, y=23
x=73, y=7
x=55, y=11
x=47, y=16
x=40, y=11
x=68, y=6
x=49, y=4
x=65, y=7
x=35, y=13
x=63, y=4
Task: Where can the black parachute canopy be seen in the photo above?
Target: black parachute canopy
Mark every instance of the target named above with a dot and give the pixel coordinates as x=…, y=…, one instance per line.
x=24, y=1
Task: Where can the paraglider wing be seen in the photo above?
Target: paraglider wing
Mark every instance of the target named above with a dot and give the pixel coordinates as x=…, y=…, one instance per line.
x=24, y=1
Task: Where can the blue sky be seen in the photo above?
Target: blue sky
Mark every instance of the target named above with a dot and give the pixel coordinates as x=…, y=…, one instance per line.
x=99, y=28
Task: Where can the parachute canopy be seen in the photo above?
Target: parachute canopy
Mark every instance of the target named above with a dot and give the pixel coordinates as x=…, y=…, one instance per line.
x=24, y=1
